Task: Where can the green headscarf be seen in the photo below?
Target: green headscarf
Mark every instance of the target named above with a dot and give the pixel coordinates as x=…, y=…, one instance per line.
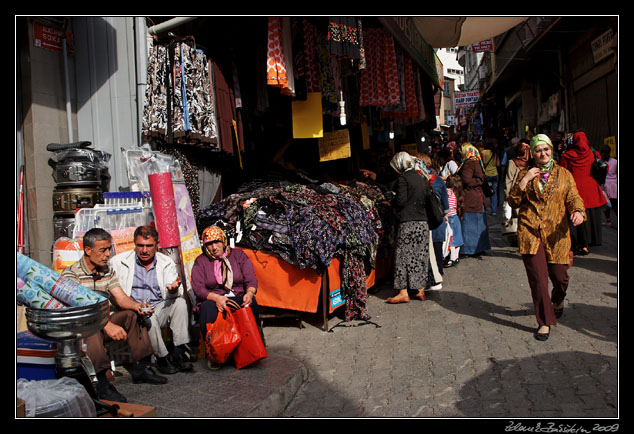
x=538, y=140
x=544, y=169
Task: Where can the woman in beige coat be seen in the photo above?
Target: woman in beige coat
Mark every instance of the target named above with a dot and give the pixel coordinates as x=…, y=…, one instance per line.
x=546, y=197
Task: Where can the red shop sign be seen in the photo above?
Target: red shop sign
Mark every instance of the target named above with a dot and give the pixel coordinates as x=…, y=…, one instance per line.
x=50, y=38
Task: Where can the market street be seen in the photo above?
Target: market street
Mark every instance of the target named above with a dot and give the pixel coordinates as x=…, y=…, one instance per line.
x=466, y=352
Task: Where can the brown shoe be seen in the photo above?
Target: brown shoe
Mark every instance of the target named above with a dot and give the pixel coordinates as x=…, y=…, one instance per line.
x=398, y=299
x=420, y=295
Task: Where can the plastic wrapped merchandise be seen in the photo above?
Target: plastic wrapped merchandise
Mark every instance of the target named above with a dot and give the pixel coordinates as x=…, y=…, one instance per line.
x=63, y=397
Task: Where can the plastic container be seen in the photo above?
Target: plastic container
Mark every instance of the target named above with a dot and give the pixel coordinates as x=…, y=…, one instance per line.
x=35, y=357
x=64, y=397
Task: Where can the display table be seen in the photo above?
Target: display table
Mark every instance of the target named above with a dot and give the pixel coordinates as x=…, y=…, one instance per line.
x=284, y=286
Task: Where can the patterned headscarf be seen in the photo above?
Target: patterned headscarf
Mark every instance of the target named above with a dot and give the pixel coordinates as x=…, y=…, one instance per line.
x=470, y=152
x=222, y=268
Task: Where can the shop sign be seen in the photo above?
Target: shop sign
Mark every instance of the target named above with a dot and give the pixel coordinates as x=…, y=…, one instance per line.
x=410, y=148
x=602, y=46
x=483, y=46
x=50, y=38
x=466, y=99
x=335, y=299
x=334, y=145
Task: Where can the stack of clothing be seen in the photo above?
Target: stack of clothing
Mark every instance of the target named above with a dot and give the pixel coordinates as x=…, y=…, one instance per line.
x=309, y=225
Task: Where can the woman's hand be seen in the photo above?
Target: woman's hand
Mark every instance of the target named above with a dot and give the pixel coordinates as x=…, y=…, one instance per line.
x=248, y=297
x=221, y=303
x=577, y=218
x=530, y=175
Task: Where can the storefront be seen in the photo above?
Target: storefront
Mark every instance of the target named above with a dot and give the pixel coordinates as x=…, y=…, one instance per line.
x=296, y=105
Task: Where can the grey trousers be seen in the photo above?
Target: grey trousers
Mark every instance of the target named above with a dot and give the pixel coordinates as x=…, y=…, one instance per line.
x=172, y=312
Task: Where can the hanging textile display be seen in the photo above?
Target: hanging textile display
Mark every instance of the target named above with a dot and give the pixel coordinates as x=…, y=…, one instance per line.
x=279, y=61
x=379, y=84
x=408, y=106
x=226, y=111
x=179, y=101
x=311, y=69
x=343, y=37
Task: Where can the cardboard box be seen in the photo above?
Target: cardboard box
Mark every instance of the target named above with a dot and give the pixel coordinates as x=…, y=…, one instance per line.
x=136, y=410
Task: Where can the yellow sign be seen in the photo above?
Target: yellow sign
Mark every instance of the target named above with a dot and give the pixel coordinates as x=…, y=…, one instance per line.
x=411, y=148
x=334, y=145
x=307, y=117
x=365, y=135
x=611, y=142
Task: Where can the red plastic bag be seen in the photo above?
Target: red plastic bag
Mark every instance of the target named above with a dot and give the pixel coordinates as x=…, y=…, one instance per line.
x=223, y=336
x=251, y=347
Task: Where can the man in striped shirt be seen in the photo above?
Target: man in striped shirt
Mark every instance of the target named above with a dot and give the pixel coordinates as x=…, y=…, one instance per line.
x=93, y=272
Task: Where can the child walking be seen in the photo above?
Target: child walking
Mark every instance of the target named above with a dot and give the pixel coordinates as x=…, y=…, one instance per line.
x=456, y=201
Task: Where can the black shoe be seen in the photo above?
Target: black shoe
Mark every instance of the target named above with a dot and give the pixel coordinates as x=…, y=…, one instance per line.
x=165, y=366
x=146, y=375
x=179, y=359
x=105, y=390
x=559, y=312
x=542, y=336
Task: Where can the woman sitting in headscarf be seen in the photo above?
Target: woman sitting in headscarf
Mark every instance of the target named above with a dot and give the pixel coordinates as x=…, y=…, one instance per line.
x=475, y=231
x=221, y=275
x=547, y=198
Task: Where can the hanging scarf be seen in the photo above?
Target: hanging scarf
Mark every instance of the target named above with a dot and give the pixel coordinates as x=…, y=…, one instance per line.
x=470, y=152
x=544, y=169
x=222, y=268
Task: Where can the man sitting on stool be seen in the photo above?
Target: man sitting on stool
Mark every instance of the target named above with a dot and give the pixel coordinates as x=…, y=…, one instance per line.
x=93, y=272
x=149, y=276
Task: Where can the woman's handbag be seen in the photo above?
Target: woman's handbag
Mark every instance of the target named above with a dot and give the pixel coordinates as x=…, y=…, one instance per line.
x=435, y=212
x=223, y=336
x=487, y=189
x=599, y=169
x=251, y=347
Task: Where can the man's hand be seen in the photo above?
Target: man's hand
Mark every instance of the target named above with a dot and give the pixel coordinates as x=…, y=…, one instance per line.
x=115, y=332
x=175, y=285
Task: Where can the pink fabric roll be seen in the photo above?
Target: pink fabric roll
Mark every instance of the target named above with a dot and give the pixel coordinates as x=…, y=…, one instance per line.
x=162, y=192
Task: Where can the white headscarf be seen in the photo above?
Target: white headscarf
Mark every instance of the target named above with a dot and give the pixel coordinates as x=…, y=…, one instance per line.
x=402, y=162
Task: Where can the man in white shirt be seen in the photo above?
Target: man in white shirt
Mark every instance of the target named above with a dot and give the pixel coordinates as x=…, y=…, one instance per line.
x=149, y=276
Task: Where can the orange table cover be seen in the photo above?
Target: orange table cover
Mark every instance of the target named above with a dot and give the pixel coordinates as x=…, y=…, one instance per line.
x=285, y=286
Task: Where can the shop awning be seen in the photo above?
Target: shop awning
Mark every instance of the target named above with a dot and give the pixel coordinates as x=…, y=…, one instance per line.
x=448, y=32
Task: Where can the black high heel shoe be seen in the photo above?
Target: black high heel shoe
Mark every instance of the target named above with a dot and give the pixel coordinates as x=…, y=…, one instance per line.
x=542, y=336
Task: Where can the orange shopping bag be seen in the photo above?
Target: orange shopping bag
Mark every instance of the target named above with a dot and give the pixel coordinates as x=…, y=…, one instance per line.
x=223, y=336
x=251, y=347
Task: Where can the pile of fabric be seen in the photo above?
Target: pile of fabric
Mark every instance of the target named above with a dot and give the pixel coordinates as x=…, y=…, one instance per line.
x=309, y=225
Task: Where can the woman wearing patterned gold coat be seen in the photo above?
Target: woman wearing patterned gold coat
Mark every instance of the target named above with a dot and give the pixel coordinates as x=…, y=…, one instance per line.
x=546, y=197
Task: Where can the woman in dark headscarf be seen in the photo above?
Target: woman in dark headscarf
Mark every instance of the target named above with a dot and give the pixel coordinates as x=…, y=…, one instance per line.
x=411, y=256
x=578, y=159
x=221, y=276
